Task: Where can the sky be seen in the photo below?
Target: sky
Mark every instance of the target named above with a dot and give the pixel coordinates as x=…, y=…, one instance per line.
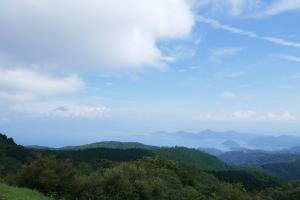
x=74, y=71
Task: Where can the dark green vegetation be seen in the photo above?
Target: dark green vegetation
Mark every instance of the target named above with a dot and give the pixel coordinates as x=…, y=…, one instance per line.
x=282, y=164
x=12, y=156
x=129, y=174
x=149, y=178
x=182, y=154
x=250, y=179
x=285, y=170
x=289, y=191
x=92, y=155
x=192, y=157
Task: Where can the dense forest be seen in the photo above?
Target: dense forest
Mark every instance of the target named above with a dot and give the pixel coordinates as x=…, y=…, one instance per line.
x=131, y=173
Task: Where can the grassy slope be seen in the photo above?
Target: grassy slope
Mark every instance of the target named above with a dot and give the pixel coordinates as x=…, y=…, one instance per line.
x=13, y=193
x=193, y=157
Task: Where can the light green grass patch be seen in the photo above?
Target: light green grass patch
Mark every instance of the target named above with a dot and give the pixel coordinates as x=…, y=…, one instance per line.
x=14, y=193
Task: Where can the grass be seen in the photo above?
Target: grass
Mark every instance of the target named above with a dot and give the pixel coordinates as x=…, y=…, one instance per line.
x=14, y=193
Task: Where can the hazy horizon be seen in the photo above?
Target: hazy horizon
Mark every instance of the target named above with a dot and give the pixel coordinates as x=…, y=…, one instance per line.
x=157, y=138
x=73, y=73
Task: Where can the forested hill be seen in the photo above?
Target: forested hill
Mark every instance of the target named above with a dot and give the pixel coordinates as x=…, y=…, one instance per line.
x=185, y=155
x=285, y=170
x=192, y=157
x=282, y=164
x=111, y=145
x=12, y=156
x=175, y=173
x=95, y=154
x=125, y=151
x=4, y=140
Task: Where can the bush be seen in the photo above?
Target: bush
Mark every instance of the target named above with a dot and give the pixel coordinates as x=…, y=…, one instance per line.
x=49, y=175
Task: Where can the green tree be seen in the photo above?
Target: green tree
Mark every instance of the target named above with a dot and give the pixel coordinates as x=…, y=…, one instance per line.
x=49, y=175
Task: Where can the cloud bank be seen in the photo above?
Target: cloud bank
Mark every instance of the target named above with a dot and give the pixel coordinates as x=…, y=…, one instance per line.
x=91, y=33
x=29, y=81
x=250, y=116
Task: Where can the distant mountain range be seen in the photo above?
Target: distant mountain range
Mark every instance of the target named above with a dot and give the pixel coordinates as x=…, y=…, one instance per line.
x=206, y=139
x=111, y=145
x=104, y=144
x=283, y=164
x=225, y=141
x=277, y=155
x=256, y=157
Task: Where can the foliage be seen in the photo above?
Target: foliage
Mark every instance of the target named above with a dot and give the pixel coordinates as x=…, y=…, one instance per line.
x=149, y=178
x=12, y=156
x=193, y=157
x=92, y=155
x=133, y=174
x=285, y=170
x=251, y=180
x=290, y=191
x=48, y=175
x=281, y=164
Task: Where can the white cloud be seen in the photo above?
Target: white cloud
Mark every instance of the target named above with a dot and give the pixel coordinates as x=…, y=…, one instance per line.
x=60, y=109
x=17, y=97
x=281, y=42
x=289, y=57
x=210, y=117
x=29, y=81
x=26, y=91
x=228, y=95
x=91, y=33
x=217, y=25
x=244, y=115
x=249, y=116
x=285, y=116
x=250, y=8
x=232, y=7
x=219, y=53
x=280, y=6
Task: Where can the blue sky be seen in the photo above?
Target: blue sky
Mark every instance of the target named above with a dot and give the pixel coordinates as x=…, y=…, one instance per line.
x=96, y=69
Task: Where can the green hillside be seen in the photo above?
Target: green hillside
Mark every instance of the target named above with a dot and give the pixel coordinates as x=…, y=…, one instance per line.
x=175, y=173
x=252, y=180
x=111, y=145
x=119, y=151
x=12, y=156
x=283, y=165
x=285, y=170
x=13, y=193
x=144, y=179
x=94, y=154
x=192, y=157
